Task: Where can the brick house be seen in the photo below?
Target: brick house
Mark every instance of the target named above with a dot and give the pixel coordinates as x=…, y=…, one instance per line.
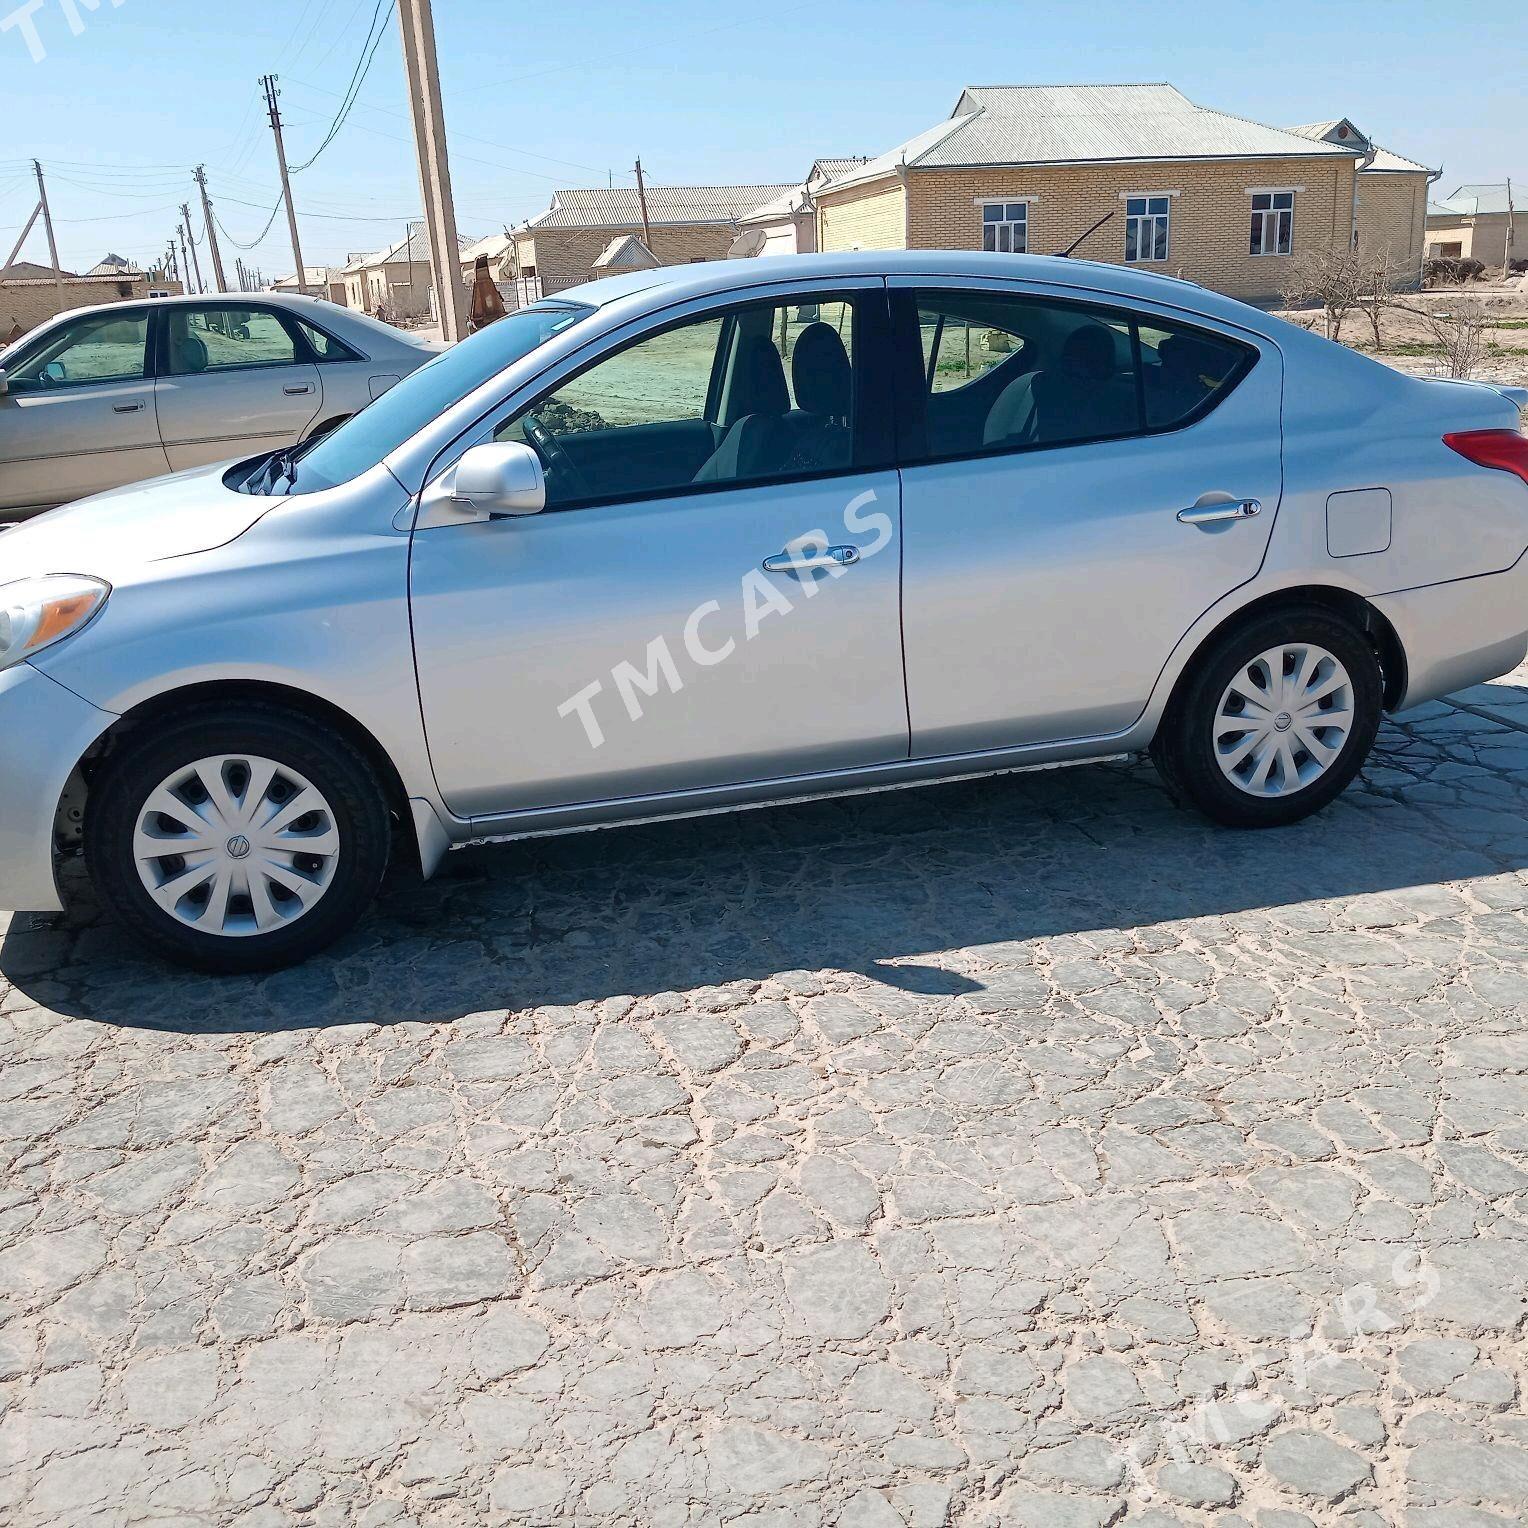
x=560, y=247
x=787, y=223
x=396, y=279
x=1186, y=191
x=31, y=294
x=1471, y=222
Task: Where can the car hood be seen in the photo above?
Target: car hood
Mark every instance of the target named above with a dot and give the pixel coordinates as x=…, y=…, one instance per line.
x=127, y=528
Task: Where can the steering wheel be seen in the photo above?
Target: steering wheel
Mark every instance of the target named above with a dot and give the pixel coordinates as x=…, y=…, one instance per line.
x=554, y=458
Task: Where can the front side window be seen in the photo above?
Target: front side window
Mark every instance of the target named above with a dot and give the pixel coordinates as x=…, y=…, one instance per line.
x=227, y=339
x=1273, y=220
x=106, y=347
x=1067, y=373
x=1146, y=228
x=422, y=396
x=1005, y=227
x=761, y=392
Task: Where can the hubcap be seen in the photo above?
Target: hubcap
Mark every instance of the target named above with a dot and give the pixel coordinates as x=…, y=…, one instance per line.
x=1284, y=720
x=236, y=845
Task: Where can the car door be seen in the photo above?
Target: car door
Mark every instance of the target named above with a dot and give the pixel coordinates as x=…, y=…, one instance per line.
x=1063, y=535
x=77, y=416
x=724, y=608
x=234, y=380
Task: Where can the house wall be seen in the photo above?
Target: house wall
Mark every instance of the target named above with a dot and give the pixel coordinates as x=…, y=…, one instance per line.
x=1209, y=221
x=1392, y=216
x=1482, y=237
x=29, y=303
x=564, y=257
x=871, y=216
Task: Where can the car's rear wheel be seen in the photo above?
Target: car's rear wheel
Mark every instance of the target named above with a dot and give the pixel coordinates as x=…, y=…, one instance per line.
x=1274, y=720
x=243, y=838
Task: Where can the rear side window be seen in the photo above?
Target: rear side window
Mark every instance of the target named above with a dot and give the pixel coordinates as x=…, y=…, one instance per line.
x=1011, y=372
x=227, y=339
x=325, y=347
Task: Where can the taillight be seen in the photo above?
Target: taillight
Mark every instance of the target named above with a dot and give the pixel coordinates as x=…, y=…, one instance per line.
x=1505, y=450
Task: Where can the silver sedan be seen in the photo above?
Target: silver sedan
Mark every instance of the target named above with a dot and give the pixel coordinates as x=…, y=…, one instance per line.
x=718, y=536
x=103, y=396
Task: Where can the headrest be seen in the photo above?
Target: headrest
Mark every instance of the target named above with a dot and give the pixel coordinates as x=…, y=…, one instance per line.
x=759, y=386
x=1185, y=356
x=820, y=370
x=1089, y=352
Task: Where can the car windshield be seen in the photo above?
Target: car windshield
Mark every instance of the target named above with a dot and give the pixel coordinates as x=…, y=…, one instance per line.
x=405, y=409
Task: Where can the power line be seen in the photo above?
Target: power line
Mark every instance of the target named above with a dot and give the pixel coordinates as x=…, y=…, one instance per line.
x=374, y=36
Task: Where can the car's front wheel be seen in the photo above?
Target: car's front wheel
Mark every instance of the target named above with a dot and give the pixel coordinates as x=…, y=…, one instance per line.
x=1275, y=719
x=240, y=838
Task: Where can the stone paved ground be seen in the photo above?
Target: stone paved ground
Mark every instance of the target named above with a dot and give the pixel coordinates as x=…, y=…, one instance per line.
x=1023, y=1152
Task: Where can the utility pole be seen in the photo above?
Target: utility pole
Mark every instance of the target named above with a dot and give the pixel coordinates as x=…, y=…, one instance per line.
x=269, y=81
x=196, y=264
x=47, y=222
x=647, y=228
x=422, y=69
x=212, y=232
x=185, y=262
x=1507, y=257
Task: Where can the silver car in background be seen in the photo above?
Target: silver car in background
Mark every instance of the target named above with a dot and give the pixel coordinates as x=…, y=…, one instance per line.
x=103, y=396
x=722, y=535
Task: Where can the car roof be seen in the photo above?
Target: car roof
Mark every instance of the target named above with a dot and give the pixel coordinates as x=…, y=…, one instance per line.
x=675, y=283
x=324, y=315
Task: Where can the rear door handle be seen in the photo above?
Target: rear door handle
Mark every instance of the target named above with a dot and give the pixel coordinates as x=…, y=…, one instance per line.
x=803, y=561
x=295, y=389
x=127, y=408
x=1235, y=509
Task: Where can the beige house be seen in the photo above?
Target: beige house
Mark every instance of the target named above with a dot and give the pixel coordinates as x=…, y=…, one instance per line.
x=318, y=281
x=1171, y=186
x=1392, y=197
x=1471, y=224
x=562, y=246
x=396, y=279
x=787, y=223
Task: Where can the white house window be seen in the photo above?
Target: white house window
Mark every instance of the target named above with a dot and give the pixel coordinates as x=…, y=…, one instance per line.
x=1273, y=221
x=1005, y=227
x=1146, y=227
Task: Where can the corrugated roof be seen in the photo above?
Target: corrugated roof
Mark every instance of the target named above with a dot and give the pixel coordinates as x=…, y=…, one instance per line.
x=26, y=270
x=1079, y=124
x=619, y=206
x=1385, y=161
x=1469, y=201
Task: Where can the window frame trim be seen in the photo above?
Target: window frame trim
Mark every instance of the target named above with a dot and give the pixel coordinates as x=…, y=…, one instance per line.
x=1264, y=213
x=911, y=410
x=873, y=421
x=1148, y=216
x=1005, y=201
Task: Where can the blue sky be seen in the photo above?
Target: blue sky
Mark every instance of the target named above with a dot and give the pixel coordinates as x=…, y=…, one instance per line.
x=541, y=96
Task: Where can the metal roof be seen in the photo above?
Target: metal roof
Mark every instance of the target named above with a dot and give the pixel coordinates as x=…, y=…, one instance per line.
x=619, y=206
x=1079, y=124
x=1476, y=200
x=626, y=252
x=1383, y=161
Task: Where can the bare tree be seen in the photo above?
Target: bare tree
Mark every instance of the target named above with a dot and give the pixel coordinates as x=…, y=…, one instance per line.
x=1460, y=332
x=1333, y=279
x=1380, y=280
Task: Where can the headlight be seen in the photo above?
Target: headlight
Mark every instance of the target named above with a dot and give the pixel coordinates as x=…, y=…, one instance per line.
x=37, y=612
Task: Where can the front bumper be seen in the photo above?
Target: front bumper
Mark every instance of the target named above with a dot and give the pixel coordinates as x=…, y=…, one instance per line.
x=1462, y=633
x=44, y=732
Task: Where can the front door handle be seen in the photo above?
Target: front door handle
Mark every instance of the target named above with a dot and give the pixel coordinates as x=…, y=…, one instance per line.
x=295, y=389
x=127, y=408
x=803, y=561
x=1230, y=509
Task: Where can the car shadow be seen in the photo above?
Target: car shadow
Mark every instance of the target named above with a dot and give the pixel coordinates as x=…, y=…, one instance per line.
x=884, y=885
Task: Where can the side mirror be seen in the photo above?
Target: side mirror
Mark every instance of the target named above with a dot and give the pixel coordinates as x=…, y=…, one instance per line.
x=505, y=478
x=490, y=481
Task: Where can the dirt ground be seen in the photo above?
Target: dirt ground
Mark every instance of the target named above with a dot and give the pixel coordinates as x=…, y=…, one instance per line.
x=1408, y=344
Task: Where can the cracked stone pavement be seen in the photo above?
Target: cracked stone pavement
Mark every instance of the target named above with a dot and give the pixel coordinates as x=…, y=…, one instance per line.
x=1020, y=1152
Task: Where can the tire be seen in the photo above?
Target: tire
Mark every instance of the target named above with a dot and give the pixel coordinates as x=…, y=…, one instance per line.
x=279, y=882
x=1215, y=735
